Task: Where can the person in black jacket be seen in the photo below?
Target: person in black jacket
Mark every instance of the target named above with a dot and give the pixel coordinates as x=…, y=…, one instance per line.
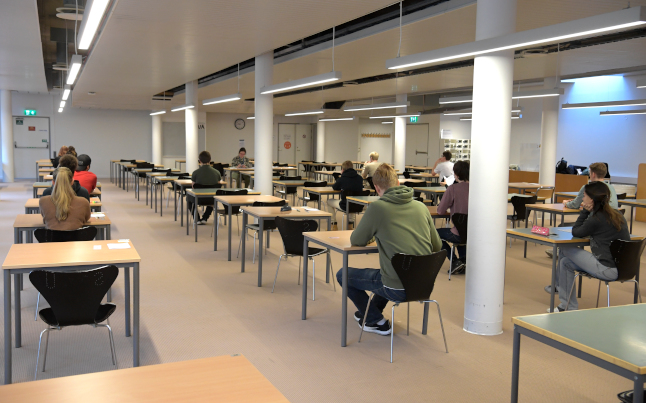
x=602, y=224
x=68, y=161
x=349, y=180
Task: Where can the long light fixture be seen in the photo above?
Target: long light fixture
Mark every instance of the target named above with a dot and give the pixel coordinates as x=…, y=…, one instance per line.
x=160, y=112
x=182, y=107
x=641, y=83
x=554, y=92
x=75, y=67
x=376, y=106
x=628, y=112
x=613, y=21
x=513, y=116
x=470, y=112
x=409, y=115
x=334, y=119
x=609, y=104
x=456, y=100
x=60, y=110
x=251, y=117
x=66, y=92
x=314, y=112
x=62, y=105
x=219, y=100
x=302, y=82
x=94, y=10
x=386, y=123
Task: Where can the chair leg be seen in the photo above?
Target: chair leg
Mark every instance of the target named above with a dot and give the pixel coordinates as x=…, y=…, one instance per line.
x=365, y=315
x=46, y=345
x=439, y=314
x=407, y=319
x=598, y=292
x=111, y=340
x=451, y=261
x=608, y=292
x=571, y=290
x=255, y=234
x=313, y=279
x=392, y=331
x=40, y=340
x=275, y=277
x=331, y=271
x=36, y=313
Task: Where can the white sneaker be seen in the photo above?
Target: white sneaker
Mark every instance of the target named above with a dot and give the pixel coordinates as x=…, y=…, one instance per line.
x=556, y=309
x=201, y=222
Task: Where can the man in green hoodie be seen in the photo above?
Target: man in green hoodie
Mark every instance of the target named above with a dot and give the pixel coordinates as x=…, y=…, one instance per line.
x=398, y=224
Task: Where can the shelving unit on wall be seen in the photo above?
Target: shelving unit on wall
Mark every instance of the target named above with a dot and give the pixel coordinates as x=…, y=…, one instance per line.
x=460, y=149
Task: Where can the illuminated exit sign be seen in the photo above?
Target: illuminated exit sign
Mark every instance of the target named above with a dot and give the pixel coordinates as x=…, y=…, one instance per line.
x=413, y=119
x=30, y=112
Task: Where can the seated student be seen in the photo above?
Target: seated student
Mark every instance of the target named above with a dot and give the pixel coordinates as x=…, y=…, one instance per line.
x=64, y=210
x=603, y=224
x=61, y=152
x=72, y=150
x=443, y=166
x=205, y=175
x=456, y=198
x=70, y=162
x=399, y=224
x=349, y=180
x=371, y=166
x=241, y=161
x=83, y=175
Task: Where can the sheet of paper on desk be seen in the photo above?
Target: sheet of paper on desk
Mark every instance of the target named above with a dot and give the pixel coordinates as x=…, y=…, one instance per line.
x=97, y=247
x=118, y=246
x=98, y=215
x=310, y=209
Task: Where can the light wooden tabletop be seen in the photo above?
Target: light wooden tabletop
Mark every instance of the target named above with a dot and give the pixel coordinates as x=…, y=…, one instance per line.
x=183, y=182
x=424, y=175
x=211, y=192
x=246, y=200
x=322, y=190
x=415, y=181
x=180, y=160
x=48, y=177
x=524, y=185
x=40, y=191
x=36, y=221
x=554, y=207
x=557, y=235
x=95, y=192
x=435, y=214
x=339, y=240
x=57, y=254
x=238, y=169
x=216, y=379
x=433, y=189
x=636, y=202
x=295, y=212
x=45, y=170
x=363, y=199
x=42, y=184
x=290, y=182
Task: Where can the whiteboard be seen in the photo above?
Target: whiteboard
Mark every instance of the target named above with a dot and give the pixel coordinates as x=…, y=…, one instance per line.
x=31, y=132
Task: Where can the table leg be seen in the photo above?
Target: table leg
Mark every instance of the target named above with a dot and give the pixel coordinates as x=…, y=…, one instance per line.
x=230, y=179
x=526, y=223
x=261, y=231
x=161, y=198
x=195, y=206
x=16, y=235
x=631, y=218
x=230, y=207
x=7, y=327
x=321, y=196
x=126, y=286
x=515, y=367
x=181, y=206
x=304, y=297
x=175, y=199
x=245, y=217
x=344, y=301
x=108, y=232
x=554, y=252
x=215, y=225
x=135, y=315
x=562, y=218
x=146, y=190
x=154, y=187
x=16, y=309
x=187, y=211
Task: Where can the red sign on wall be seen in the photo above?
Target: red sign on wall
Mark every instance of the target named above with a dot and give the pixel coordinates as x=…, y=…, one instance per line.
x=32, y=128
x=287, y=145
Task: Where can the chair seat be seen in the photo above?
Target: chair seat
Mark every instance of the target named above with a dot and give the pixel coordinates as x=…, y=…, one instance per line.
x=104, y=312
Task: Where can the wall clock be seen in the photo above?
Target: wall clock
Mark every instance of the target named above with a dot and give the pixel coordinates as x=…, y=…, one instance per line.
x=239, y=124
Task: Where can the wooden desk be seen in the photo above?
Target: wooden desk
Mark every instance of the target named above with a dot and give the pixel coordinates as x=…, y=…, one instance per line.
x=43, y=163
x=65, y=256
x=231, y=170
x=434, y=192
x=180, y=162
x=416, y=182
x=236, y=201
x=610, y=338
x=32, y=206
x=432, y=177
x=361, y=200
x=44, y=171
x=554, y=209
x=269, y=214
x=320, y=192
x=338, y=241
x=522, y=187
x=28, y=223
x=423, y=169
x=632, y=204
x=435, y=214
x=40, y=185
x=96, y=192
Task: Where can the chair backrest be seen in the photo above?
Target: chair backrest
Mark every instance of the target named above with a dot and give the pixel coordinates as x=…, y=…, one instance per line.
x=627, y=255
x=354, y=207
x=329, y=168
x=130, y=161
x=406, y=174
x=460, y=222
x=269, y=204
x=309, y=184
x=372, y=185
x=74, y=296
x=49, y=235
x=418, y=273
x=178, y=174
x=545, y=191
x=519, y=203
x=291, y=231
x=144, y=165
x=621, y=196
x=220, y=168
x=238, y=192
x=200, y=186
x=289, y=178
x=410, y=184
x=166, y=171
x=336, y=175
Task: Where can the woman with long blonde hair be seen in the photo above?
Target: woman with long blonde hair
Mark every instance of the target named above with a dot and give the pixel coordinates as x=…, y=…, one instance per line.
x=63, y=210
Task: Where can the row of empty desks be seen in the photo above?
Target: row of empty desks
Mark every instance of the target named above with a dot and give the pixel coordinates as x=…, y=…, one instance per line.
x=28, y=223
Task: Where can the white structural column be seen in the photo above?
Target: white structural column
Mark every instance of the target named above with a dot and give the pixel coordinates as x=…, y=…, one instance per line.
x=320, y=141
x=192, y=150
x=263, y=125
x=549, y=134
x=6, y=131
x=399, y=151
x=158, y=144
x=490, y=137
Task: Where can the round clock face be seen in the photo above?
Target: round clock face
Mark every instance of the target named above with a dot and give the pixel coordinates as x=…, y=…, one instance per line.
x=239, y=124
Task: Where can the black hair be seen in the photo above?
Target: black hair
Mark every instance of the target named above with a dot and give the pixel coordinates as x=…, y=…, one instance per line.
x=461, y=170
x=205, y=157
x=242, y=149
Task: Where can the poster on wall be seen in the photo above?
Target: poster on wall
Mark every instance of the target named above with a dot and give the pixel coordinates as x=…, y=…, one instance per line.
x=530, y=157
x=446, y=134
x=241, y=143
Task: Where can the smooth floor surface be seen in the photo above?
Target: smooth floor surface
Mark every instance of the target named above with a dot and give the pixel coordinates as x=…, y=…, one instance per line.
x=194, y=304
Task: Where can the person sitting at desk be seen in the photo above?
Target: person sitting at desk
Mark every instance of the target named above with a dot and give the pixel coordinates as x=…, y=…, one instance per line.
x=72, y=150
x=371, y=166
x=64, y=210
x=83, y=175
x=61, y=152
x=443, y=166
x=241, y=161
x=603, y=224
x=205, y=175
x=70, y=162
x=398, y=224
x=349, y=180
x=456, y=198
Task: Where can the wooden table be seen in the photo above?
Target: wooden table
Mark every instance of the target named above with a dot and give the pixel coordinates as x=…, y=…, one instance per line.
x=553, y=208
x=423, y=169
x=32, y=206
x=269, y=214
x=610, y=338
x=522, y=187
x=338, y=241
x=632, y=204
x=435, y=192
x=361, y=200
x=45, y=171
x=217, y=379
x=66, y=256
x=236, y=201
x=432, y=177
x=416, y=182
x=231, y=170
x=572, y=195
x=43, y=163
x=28, y=223
x=40, y=185
x=320, y=191
x=538, y=199
x=180, y=162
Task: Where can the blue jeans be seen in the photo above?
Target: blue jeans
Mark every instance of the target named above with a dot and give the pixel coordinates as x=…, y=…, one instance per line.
x=446, y=235
x=362, y=280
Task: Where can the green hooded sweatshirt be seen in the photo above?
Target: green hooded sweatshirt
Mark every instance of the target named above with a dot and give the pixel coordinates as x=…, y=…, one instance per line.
x=399, y=224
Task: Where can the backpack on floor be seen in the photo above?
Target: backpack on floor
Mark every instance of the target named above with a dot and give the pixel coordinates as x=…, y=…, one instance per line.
x=561, y=167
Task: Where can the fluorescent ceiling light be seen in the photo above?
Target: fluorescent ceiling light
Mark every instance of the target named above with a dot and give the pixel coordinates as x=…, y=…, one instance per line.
x=470, y=112
x=251, y=117
x=315, y=112
x=386, y=123
x=60, y=110
x=334, y=119
x=161, y=112
x=302, y=82
x=629, y=112
x=66, y=92
x=62, y=105
x=641, y=83
x=219, y=100
x=456, y=100
x=376, y=106
x=513, y=116
x=609, y=104
x=92, y=16
x=613, y=21
x=182, y=107
x=396, y=116
x=554, y=92
x=75, y=67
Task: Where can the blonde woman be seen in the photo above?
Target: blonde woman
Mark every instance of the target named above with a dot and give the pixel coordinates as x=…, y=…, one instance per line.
x=63, y=210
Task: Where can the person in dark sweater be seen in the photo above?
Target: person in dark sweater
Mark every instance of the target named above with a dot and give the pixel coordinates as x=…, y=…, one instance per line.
x=456, y=199
x=70, y=162
x=602, y=224
x=205, y=175
x=349, y=180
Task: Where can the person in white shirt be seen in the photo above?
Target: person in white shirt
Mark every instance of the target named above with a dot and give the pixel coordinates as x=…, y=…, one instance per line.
x=370, y=166
x=443, y=166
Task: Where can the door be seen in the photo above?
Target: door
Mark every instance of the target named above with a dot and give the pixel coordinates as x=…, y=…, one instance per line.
x=417, y=145
x=304, y=150
x=31, y=143
x=286, y=143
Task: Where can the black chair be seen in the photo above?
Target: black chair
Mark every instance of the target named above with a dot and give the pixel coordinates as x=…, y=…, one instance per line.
x=267, y=226
x=307, y=167
x=329, y=168
x=418, y=275
x=75, y=300
x=416, y=195
x=353, y=208
x=179, y=175
x=291, y=231
x=289, y=190
x=406, y=174
x=621, y=196
x=369, y=180
x=311, y=197
x=143, y=165
x=627, y=256
x=235, y=210
x=220, y=168
x=520, y=211
x=336, y=175
x=460, y=221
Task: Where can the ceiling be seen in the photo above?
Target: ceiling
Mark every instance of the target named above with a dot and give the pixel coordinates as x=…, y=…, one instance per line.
x=21, y=53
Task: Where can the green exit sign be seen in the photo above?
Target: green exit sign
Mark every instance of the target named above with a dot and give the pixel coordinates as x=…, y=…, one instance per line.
x=413, y=119
x=30, y=112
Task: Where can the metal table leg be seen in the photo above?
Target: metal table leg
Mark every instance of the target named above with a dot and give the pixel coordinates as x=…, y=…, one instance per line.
x=344, y=301
x=215, y=225
x=126, y=282
x=245, y=218
x=515, y=367
x=554, y=252
x=7, y=327
x=16, y=308
x=304, y=297
x=261, y=231
x=135, y=315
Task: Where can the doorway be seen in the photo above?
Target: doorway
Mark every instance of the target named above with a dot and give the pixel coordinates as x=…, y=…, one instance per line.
x=417, y=152
x=31, y=142
x=294, y=142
